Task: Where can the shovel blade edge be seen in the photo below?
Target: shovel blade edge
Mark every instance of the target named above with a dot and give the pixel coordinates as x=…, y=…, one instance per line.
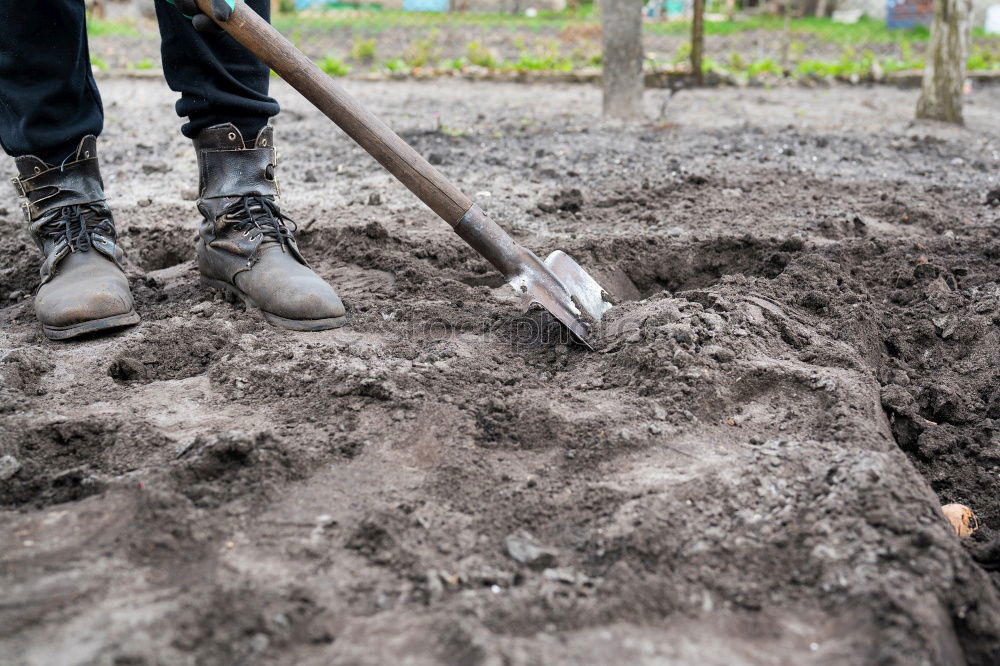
x=589, y=297
x=560, y=285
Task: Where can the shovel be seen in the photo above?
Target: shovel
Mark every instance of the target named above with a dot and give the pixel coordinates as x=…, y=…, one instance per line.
x=559, y=284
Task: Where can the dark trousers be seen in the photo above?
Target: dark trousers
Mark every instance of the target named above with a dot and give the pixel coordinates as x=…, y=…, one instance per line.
x=49, y=99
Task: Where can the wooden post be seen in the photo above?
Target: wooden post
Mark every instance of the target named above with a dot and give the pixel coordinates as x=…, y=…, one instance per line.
x=697, y=39
x=621, y=22
x=944, y=73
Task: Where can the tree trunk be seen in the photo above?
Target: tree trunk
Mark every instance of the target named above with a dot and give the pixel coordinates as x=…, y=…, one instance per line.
x=623, y=83
x=944, y=73
x=697, y=39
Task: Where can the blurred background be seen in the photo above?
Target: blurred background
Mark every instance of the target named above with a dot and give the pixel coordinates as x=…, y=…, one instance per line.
x=746, y=41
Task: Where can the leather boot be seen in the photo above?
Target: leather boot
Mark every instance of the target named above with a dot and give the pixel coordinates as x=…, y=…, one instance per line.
x=246, y=245
x=83, y=288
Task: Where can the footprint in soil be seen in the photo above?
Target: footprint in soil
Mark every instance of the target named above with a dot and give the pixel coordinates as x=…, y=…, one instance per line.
x=168, y=353
x=69, y=459
x=215, y=469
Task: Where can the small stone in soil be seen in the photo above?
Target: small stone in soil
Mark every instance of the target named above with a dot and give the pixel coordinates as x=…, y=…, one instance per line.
x=525, y=549
x=9, y=466
x=155, y=167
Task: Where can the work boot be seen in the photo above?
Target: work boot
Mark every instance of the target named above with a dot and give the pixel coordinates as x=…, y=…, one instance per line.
x=246, y=244
x=83, y=288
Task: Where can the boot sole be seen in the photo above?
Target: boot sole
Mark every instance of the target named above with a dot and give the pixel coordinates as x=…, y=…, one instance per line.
x=92, y=326
x=273, y=319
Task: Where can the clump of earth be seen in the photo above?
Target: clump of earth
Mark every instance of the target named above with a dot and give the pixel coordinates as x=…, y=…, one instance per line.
x=802, y=366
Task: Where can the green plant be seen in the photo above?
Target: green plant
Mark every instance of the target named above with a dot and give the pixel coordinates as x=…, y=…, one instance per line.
x=143, y=64
x=395, y=65
x=334, y=66
x=455, y=63
x=546, y=58
x=481, y=56
x=765, y=66
x=709, y=65
x=363, y=49
x=818, y=68
x=287, y=6
x=423, y=52
x=850, y=64
x=983, y=59
x=98, y=62
x=683, y=53
x=99, y=27
x=449, y=131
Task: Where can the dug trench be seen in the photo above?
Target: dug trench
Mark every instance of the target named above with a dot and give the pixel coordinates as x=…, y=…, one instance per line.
x=801, y=367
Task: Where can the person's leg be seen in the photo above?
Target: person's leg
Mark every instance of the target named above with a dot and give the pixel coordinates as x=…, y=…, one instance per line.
x=50, y=116
x=48, y=97
x=219, y=80
x=246, y=245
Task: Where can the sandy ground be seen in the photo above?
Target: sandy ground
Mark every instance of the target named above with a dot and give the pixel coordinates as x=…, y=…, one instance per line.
x=802, y=368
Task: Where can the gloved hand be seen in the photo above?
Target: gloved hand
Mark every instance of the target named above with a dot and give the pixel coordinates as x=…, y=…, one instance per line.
x=222, y=9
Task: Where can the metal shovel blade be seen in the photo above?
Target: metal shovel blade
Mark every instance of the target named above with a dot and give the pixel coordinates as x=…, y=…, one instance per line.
x=590, y=298
x=558, y=284
x=565, y=289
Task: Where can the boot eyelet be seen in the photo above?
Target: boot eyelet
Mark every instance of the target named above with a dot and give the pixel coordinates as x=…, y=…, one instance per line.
x=263, y=142
x=38, y=169
x=86, y=153
x=232, y=136
x=245, y=234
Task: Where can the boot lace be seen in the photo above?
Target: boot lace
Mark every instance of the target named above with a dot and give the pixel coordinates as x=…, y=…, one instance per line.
x=77, y=223
x=255, y=213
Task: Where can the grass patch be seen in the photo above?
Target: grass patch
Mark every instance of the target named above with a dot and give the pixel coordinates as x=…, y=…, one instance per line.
x=372, y=20
x=394, y=65
x=480, y=56
x=866, y=30
x=423, y=52
x=142, y=65
x=334, y=66
x=100, y=28
x=545, y=57
x=363, y=49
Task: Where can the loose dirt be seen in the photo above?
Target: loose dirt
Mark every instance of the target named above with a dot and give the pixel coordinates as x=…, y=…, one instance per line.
x=803, y=366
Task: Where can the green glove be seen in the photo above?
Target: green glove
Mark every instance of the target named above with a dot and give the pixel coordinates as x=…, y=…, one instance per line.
x=222, y=9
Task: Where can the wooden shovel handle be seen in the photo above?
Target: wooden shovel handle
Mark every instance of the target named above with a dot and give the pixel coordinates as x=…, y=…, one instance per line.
x=402, y=161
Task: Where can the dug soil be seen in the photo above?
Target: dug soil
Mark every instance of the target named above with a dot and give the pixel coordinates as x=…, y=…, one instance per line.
x=802, y=368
